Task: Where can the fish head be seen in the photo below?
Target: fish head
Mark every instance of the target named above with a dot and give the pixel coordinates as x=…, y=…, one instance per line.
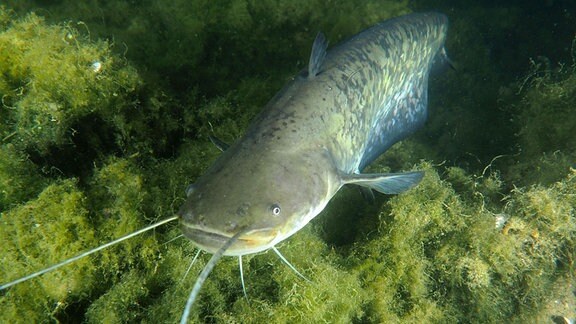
x=268, y=197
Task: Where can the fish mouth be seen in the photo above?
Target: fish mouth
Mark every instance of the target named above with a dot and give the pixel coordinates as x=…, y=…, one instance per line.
x=210, y=240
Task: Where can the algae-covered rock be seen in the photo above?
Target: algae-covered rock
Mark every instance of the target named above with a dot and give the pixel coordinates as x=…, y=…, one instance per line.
x=42, y=232
x=54, y=76
x=546, y=123
x=488, y=245
x=19, y=177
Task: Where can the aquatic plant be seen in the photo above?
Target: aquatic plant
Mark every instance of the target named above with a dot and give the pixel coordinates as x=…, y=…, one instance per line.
x=489, y=245
x=53, y=77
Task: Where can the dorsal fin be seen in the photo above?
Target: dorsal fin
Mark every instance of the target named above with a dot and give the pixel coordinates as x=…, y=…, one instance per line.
x=317, y=55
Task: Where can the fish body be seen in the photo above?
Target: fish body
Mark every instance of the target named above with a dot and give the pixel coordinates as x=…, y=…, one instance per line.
x=316, y=135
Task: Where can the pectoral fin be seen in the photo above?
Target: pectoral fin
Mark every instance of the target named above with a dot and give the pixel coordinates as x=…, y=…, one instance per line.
x=387, y=183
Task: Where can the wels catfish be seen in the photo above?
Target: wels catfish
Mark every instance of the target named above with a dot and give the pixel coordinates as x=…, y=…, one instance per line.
x=316, y=135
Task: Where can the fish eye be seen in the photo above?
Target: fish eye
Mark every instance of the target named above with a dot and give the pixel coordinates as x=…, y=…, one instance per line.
x=275, y=209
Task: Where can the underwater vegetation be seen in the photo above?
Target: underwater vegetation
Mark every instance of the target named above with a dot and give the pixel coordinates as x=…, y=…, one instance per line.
x=90, y=152
x=51, y=80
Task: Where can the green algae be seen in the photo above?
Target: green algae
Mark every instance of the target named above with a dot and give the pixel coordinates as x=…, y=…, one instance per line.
x=545, y=122
x=19, y=178
x=45, y=231
x=185, y=43
x=53, y=77
x=433, y=254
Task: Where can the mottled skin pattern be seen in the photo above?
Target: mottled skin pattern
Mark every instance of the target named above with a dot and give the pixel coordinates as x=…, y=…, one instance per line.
x=369, y=93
